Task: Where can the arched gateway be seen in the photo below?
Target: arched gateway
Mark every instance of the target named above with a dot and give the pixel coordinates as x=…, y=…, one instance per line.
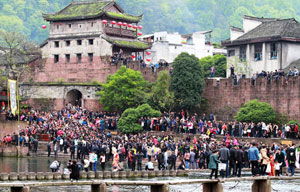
x=74, y=97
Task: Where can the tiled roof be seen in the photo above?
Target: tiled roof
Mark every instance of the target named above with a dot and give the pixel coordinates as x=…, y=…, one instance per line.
x=268, y=30
x=278, y=28
x=88, y=10
x=133, y=44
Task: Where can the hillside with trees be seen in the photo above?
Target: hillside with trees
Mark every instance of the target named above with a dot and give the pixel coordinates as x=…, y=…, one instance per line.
x=184, y=16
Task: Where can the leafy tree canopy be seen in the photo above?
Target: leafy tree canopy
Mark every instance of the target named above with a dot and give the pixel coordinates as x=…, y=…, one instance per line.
x=216, y=61
x=16, y=53
x=187, y=82
x=256, y=111
x=128, y=123
x=183, y=16
x=124, y=89
x=161, y=97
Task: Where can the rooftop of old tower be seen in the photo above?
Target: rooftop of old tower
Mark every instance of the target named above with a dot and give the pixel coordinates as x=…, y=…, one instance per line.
x=90, y=10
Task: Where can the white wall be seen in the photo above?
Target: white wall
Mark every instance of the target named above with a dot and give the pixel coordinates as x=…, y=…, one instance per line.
x=169, y=46
x=85, y=27
x=249, y=24
x=235, y=34
x=291, y=52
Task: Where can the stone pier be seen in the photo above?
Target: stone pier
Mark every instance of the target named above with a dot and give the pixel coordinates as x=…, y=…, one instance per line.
x=159, y=188
x=212, y=187
x=261, y=186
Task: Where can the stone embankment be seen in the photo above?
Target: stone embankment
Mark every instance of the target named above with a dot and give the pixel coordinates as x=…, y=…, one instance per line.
x=91, y=175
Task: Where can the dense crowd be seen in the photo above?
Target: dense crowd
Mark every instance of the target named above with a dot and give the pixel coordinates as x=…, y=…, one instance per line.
x=88, y=137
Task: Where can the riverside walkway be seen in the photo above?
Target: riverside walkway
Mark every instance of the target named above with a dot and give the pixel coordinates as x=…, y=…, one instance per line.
x=260, y=184
x=99, y=181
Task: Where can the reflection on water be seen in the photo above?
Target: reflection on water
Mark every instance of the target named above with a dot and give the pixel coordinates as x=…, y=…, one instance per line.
x=32, y=164
x=28, y=164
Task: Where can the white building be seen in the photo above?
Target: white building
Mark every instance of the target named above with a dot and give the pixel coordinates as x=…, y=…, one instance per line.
x=167, y=46
x=264, y=44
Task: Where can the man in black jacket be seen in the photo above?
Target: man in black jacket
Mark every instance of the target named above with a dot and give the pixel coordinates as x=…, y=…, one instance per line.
x=172, y=161
x=291, y=158
x=232, y=161
x=239, y=160
x=160, y=160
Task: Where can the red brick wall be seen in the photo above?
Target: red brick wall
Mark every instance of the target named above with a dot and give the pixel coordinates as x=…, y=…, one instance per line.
x=224, y=98
x=58, y=104
x=85, y=71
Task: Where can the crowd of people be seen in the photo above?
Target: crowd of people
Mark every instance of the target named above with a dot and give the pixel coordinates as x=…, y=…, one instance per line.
x=90, y=140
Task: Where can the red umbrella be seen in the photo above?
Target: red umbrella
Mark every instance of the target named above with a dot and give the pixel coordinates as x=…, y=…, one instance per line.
x=134, y=26
x=140, y=27
x=120, y=23
x=124, y=24
x=44, y=26
x=129, y=25
x=104, y=21
x=132, y=56
x=113, y=22
x=148, y=53
x=139, y=34
x=148, y=60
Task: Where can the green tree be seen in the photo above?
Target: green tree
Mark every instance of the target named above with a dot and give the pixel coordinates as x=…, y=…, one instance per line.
x=256, y=111
x=16, y=53
x=217, y=61
x=128, y=123
x=124, y=89
x=187, y=81
x=161, y=97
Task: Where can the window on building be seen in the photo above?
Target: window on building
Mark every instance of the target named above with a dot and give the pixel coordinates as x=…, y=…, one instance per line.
x=273, y=49
x=68, y=43
x=258, y=52
x=57, y=27
x=231, y=53
x=68, y=57
x=56, y=58
x=56, y=44
x=243, y=53
x=79, y=42
x=70, y=25
x=91, y=57
x=91, y=41
x=79, y=57
x=92, y=24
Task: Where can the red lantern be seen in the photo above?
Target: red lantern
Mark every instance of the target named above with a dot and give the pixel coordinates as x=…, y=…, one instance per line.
x=139, y=34
x=132, y=56
x=120, y=23
x=113, y=22
x=134, y=26
x=140, y=27
x=104, y=21
x=148, y=53
x=44, y=26
x=124, y=24
x=148, y=60
x=129, y=25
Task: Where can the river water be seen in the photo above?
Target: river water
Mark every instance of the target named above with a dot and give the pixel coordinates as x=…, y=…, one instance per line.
x=41, y=164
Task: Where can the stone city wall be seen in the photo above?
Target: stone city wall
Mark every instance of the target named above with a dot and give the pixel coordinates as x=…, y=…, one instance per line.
x=224, y=98
x=8, y=127
x=54, y=96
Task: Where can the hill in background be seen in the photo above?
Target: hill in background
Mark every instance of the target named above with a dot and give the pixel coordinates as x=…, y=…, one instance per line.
x=184, y=16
